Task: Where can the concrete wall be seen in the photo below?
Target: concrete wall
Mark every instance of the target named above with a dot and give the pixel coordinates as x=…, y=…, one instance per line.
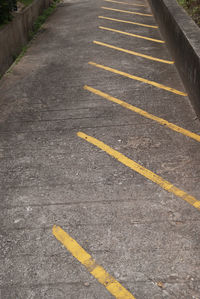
x=14, y=35
x=183, y=39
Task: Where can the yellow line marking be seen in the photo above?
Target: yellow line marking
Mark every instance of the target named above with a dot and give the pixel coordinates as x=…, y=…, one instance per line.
x=159, y=120
x=108, y=281
x=125, y=3
x=142, y=170
x=127, y=11
x=129, y=22
x=134, y=35
x=158, y=85
x=133, y=53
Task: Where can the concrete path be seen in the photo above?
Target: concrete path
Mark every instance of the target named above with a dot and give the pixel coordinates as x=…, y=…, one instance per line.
x=105, y=196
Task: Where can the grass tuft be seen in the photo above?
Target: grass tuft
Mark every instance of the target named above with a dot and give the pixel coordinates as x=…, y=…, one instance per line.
x=25, y=2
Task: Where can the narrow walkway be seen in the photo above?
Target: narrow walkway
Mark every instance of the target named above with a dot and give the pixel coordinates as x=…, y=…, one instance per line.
x=98, y=141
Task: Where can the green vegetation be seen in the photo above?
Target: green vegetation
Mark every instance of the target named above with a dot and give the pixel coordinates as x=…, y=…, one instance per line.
x=41, y=19
x=6, y=8
x=25, y=2
x=193, y=9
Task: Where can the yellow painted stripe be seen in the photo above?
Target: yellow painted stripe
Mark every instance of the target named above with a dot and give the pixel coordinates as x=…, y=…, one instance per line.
x=109, y=282
x=159, y=120
x=142, y=170
x=128, y=22
x=127, y=11
x=125, y=3
x=132, y=34
x=158, y=85
x=133, y=53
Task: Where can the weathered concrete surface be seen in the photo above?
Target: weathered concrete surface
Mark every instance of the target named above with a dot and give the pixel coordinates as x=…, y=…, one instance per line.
x=183, y=39
x=14, y=35
x=144, y=236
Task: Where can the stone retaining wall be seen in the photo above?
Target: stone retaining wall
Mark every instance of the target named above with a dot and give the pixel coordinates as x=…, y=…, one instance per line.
x=183, y=40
